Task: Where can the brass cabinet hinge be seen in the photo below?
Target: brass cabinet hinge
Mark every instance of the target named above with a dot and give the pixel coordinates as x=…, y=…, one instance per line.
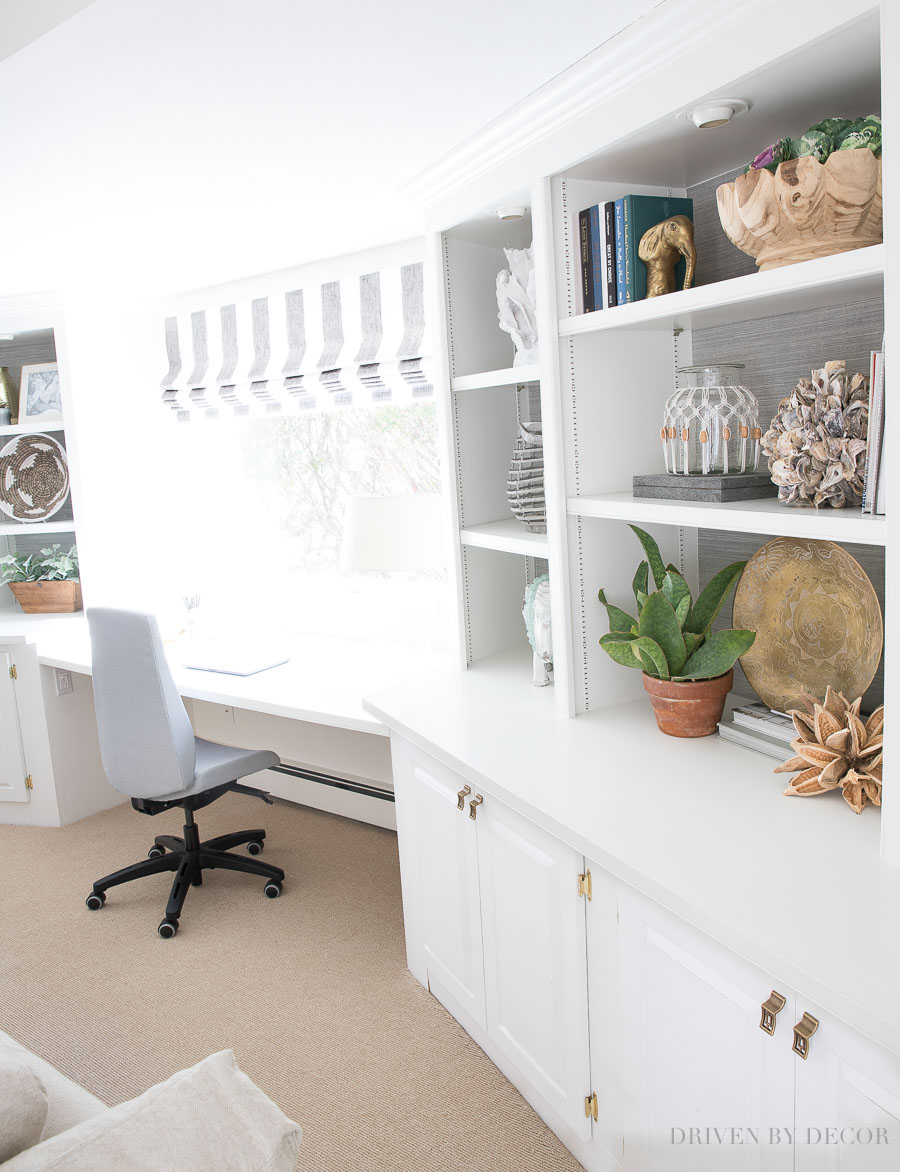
x=585, y=885
x=29, y=784
x=591, y=1108
x=13, y=674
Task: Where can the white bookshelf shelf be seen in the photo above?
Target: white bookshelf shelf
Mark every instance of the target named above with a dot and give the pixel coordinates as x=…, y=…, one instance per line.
x=33, y=528
x=812, y=284
x=507, y=536
x=760, y=516
x=31, y=428
x=510, y=376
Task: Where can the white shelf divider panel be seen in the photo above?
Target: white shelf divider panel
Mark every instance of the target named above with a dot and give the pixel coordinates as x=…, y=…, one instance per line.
x=511, y=376
x=31, y=428
x=33, y=528
x=759, y=516
x=506, y=536
x=812, y=284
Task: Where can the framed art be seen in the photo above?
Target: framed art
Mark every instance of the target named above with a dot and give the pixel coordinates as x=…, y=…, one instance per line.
x=40, y=399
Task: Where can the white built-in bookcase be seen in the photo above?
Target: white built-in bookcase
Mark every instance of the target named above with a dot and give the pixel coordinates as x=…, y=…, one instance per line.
x=35, y=333
x=603, y=377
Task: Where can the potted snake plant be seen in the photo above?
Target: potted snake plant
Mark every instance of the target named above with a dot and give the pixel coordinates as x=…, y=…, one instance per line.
x=688, y=668
x=45, y=582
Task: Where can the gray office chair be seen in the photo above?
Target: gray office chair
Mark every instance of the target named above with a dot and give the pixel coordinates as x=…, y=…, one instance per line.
x=149, y=752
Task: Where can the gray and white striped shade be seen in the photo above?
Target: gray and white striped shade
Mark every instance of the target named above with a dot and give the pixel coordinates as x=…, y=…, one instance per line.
x=356, y=342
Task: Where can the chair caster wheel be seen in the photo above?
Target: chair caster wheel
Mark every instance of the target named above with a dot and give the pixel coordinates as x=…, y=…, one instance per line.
x=272, y=889
x=156, y=852
x=167, y=929
x=95, y=901
x=255, y=847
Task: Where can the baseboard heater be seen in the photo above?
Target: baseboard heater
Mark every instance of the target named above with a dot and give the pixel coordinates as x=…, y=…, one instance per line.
x=354, y=787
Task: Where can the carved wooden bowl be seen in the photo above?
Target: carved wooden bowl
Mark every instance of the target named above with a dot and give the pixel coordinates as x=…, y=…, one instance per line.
x=806, y=209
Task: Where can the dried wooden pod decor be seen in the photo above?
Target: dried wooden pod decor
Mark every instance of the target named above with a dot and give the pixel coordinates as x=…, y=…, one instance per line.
x=835, y=749
x=804, y=210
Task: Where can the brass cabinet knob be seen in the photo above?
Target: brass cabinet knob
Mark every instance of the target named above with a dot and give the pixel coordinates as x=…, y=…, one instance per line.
x=473, y=806
x=462, y=795
x=770, y=1010
x=803, y=1031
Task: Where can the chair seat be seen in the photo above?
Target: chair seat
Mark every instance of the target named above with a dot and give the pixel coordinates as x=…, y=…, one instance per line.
x=218, y=764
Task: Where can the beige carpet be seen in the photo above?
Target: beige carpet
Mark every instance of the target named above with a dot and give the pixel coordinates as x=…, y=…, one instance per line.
x=311, y=990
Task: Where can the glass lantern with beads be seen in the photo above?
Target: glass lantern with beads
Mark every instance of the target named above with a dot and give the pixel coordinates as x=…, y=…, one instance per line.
x=711, y=423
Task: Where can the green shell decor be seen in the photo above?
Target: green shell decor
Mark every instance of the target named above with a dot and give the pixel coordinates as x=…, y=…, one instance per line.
x=822, y=140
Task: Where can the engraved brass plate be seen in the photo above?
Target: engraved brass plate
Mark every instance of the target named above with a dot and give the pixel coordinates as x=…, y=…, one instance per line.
x=817, y=622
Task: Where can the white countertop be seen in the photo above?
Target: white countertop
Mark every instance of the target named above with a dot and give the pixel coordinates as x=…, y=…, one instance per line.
x=323, y=682
x=795, y=885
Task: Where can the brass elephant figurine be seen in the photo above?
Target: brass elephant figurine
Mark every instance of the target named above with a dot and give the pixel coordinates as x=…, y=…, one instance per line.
x=660, y=248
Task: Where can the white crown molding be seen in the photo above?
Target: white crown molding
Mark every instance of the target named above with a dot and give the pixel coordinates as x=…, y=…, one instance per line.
x=675, y=30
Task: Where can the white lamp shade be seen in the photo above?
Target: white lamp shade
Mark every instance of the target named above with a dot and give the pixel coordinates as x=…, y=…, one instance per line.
x=393, y=533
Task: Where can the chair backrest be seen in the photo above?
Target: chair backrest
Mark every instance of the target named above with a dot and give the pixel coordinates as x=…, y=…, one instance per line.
x=146, y=741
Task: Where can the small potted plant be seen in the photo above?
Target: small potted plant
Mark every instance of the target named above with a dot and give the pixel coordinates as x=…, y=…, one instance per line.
x=45, y=582
x=688, y=668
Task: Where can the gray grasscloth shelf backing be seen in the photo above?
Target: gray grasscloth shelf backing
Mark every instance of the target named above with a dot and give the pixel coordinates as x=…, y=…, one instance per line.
x=776, y=352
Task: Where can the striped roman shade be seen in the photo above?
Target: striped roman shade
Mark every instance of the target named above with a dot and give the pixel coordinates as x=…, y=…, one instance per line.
x=356, y=342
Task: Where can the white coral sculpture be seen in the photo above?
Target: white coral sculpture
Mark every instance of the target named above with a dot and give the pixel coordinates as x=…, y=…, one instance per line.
x=835, y=749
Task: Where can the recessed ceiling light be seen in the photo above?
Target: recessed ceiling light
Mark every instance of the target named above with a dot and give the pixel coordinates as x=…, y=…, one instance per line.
x=715, y=112
x=512, y=211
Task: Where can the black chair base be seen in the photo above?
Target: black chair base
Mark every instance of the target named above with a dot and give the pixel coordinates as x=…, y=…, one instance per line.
x=188, y=857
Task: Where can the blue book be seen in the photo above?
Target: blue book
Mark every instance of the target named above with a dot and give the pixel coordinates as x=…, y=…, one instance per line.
x=639, y=214
x=597, y=263
x=621, y=288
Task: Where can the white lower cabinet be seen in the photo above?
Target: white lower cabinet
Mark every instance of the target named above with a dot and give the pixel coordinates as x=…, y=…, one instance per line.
x=705, y=1087
x=703, y=1084
x=636, y=1036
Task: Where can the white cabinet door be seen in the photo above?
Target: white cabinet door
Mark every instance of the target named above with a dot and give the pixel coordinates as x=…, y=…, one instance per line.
x=703, y=1083
x=12, y=757
x=847, y=1101
x=439, y=861
x=535, y=962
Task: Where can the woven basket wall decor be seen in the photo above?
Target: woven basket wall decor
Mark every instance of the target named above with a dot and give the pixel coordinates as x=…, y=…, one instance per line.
x=525, y=480
x=34, y=477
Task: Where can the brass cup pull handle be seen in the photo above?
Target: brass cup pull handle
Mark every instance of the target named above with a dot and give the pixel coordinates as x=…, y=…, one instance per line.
x=803, y=1031
x=462, y=795
x=770, y=1010
x=473, y=806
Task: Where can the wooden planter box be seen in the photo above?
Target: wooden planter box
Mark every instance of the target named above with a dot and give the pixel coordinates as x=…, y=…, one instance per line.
x=47, y=597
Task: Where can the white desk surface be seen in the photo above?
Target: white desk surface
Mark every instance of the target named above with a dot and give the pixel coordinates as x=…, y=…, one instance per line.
x=796, y=885
x=324, y=682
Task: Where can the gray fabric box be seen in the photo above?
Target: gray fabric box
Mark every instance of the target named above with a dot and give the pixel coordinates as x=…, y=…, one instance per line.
x=745, y=486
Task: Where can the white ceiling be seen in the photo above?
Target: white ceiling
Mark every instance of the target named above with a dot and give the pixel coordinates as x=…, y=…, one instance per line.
x=179, y=143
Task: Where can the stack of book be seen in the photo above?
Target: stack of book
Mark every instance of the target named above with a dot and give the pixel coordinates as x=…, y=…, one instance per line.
x=611, y=271
x=874, y=484
x=757, y=727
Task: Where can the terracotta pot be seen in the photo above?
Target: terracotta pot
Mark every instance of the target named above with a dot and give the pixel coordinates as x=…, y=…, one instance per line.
x=47, y=597
x=692, y=708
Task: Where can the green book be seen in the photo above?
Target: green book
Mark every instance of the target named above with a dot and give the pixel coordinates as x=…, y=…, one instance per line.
x=640, y=213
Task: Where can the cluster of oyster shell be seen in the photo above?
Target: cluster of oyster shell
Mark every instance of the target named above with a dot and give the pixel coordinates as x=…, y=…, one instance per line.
x=816, y=444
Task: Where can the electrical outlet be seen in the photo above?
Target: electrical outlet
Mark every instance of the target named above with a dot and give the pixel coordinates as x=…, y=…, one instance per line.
x=63, y=681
